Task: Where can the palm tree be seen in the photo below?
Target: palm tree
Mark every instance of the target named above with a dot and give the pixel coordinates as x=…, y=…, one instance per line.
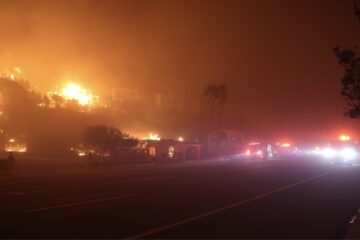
x=211, y=92
x=222, y=98
x=215, y=94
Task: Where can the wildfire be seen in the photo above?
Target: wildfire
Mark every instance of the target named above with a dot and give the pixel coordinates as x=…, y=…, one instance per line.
x=152, y=136
x=13, y=146
x=73, y=91
x=12, y=73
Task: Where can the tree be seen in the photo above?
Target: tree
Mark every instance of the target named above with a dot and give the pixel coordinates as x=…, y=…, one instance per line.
x=103, y=138
x=215, y=94
x=58, y=100
x=222, y=98
x=211, y=92
x=349, y=59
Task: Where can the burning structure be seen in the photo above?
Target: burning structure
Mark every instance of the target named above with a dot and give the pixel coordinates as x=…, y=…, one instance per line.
x=73, y=94
x=54, y=122
x=45, y=123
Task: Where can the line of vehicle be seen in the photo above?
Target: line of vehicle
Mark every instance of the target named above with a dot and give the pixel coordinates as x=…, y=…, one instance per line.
x=75, y=204
x=222, y=209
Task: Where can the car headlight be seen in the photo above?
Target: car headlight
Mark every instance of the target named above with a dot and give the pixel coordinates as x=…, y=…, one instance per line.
x=348, y=153
x=328, y=152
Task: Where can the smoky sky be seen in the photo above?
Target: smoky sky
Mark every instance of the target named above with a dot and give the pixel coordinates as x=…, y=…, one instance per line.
x=275, y=56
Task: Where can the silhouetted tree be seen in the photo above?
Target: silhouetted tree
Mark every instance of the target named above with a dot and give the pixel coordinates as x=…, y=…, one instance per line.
x=211, y=92
x=349, y=59
x=58, y=100
x=215, y=94
x=34, y=98
x=73, y=104
x=222, y=98
x=46, y=101
x=105, y=138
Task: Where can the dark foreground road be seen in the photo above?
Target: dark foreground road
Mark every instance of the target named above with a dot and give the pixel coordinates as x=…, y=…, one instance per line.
x=229, y=199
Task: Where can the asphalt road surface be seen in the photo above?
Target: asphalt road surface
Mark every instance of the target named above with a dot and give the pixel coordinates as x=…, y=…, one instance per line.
x=212, y=199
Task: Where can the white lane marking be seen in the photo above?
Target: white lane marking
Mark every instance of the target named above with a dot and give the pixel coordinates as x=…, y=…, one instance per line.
x=222, y=209
x=86, y=186
x=77, y=204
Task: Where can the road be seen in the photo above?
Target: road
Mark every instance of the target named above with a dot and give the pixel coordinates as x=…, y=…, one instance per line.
x=301, y=198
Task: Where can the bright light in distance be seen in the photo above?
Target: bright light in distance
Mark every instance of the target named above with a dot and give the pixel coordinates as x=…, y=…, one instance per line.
x=344, y=138
x=15, y=147
x=285, y=145
x=328, y=152
x=348, y=153
x=17, y=70
x=12, y=140
x=259, y=152
x=254, y=143
x=154, y=136
x=180, y=139
x=316, y=150
x=81, y=154
x=247, y=152
x=73, y=91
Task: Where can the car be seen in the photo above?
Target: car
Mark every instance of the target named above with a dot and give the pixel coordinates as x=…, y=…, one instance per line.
x=345, y=152
x=255, y=150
